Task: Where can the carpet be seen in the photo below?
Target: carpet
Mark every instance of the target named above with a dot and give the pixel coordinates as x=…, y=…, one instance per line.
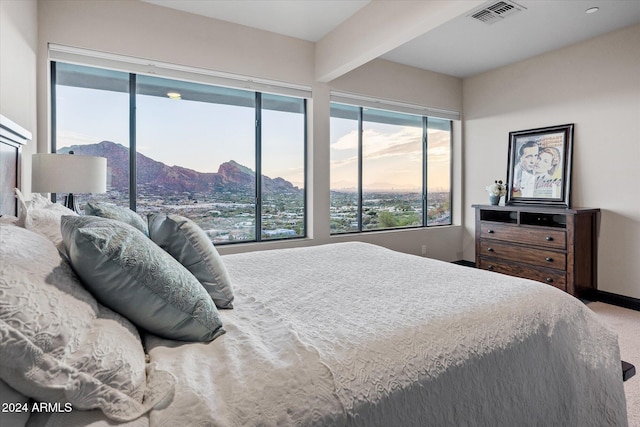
x=626, y=323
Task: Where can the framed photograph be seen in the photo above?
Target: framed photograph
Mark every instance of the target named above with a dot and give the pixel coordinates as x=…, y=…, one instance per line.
x=539, y=166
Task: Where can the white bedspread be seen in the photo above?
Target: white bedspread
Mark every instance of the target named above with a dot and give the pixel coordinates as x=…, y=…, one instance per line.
x=353, y=334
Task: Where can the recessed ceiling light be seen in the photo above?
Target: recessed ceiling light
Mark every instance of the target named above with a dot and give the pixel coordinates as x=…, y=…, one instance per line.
x=174, y=95
x=592, y=10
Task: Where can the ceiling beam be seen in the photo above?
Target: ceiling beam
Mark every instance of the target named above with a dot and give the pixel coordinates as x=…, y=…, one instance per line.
x=378, y=28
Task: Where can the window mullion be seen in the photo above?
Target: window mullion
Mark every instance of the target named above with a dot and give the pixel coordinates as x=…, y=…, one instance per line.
x=133, y=181
x=54, y=119
x=360, y=190
x=54, y=111
x=425, y=141
x=306, y=160
x=258, y=168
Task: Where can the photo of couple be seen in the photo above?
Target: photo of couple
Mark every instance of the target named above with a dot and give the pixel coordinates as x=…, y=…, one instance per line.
x=538, y=172
x=538, y=167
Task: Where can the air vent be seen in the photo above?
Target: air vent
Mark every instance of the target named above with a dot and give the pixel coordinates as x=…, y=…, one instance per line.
x=502, y=8
x=497, y=11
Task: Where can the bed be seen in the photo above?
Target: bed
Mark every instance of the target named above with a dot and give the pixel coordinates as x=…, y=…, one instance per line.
x=12, y=138
x=342, y=334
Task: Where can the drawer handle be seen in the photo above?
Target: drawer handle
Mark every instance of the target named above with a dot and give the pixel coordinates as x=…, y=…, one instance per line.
x=489, y=267
x=489, y=249
x=490, y=231
x=549, y=259
x=549, y=280
x=548, y=238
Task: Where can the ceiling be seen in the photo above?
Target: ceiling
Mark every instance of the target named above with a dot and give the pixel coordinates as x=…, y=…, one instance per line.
x=460, y=46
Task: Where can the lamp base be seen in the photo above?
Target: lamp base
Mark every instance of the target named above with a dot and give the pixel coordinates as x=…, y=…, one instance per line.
x=71, y=203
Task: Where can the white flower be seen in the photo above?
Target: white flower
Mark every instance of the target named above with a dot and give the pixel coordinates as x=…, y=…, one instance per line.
x=497, y=188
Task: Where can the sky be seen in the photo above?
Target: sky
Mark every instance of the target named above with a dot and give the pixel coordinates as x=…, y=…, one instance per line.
x=201, y=136
x=392, y=157
x=195, y=135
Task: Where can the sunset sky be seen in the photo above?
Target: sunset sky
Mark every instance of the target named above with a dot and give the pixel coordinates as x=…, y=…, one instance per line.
x=392, y=157
x=190, y=134
x=201, y=136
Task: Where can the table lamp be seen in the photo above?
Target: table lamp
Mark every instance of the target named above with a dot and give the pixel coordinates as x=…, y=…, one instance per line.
x=68, y=173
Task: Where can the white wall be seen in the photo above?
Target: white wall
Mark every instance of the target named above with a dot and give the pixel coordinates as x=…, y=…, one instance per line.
x=18, y=53
x=144, y=30
x=596, y=85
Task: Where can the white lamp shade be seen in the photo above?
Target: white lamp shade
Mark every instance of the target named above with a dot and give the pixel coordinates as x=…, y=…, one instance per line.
x=68, y=173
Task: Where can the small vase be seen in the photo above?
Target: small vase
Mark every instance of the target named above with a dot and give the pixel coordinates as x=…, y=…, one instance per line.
x=494, y=200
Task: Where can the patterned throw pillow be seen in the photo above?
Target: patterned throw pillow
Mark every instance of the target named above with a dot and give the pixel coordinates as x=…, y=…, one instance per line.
x=42, y=216
x=58, y=344
x=120, y=213
x=188, y=243
x=133, y=276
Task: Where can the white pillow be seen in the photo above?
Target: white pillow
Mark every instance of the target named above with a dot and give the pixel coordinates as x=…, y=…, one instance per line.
x=10, y=219
x=58, y=344
x=42, y=216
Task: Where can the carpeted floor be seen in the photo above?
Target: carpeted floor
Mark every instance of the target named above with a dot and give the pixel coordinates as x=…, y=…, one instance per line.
x=626, y=323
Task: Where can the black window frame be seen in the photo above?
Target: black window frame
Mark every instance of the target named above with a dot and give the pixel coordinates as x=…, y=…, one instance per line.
x=133, y=190
x=425, y=163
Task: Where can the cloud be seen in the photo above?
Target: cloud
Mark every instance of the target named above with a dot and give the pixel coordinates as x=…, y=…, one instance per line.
x=394, y=156
x=348, y=141
x=440, y=153
x=376, y=145
x=343, y=162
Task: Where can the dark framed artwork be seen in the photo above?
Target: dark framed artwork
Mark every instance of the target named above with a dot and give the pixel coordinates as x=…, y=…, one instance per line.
x=539, y=166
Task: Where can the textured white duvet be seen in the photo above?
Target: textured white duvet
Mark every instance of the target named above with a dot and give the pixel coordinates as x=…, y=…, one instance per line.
x=352, y=334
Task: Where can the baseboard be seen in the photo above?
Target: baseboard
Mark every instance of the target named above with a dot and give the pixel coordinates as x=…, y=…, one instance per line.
x=615, y=299
x=464, y=262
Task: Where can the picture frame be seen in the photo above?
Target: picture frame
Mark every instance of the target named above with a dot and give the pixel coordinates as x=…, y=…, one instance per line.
x=539, y=166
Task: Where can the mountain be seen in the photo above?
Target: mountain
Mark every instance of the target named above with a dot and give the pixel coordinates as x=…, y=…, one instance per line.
x=231, y=176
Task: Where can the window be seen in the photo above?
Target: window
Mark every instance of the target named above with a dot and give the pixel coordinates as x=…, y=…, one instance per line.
x=189, y=148
x=389, y=170
x=282, y=122
x=438, y=171
x=91, y=116
x=344, y=170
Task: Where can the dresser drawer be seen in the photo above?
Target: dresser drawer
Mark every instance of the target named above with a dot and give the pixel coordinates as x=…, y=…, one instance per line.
x=529, y=235
x=528, y=255
x=556, y=278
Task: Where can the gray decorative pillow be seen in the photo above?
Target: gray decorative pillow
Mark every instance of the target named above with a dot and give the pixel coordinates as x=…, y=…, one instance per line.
x=132, y=275
x=58, y=344
x=120, y=213
x=188, y=243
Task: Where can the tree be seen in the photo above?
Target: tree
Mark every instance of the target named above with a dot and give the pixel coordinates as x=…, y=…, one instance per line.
x=387, y=220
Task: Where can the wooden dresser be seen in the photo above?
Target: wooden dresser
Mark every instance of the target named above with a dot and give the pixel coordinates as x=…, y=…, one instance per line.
x=557, y=246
